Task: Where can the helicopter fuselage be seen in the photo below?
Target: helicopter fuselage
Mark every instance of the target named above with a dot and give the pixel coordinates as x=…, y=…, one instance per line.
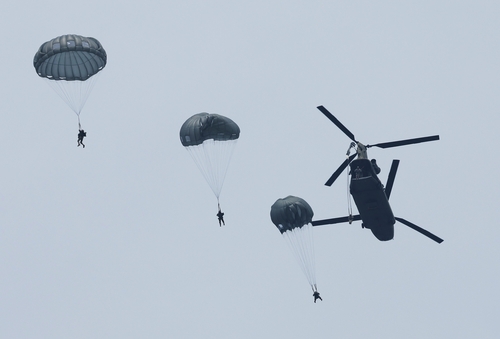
x=369, y=196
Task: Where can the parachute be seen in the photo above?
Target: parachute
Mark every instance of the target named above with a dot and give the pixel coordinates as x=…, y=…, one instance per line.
x=210, y=140
x=71, y=65
x=292, y=216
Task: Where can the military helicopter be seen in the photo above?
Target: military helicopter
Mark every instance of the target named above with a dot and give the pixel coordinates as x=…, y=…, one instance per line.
x=370, y=196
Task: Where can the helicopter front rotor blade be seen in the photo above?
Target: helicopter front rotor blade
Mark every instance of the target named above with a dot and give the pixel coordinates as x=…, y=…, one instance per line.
x=404, y=142
x=335, y=220
x=391, y=177
x=337, y=122
x=339, y=170
x=421, y=230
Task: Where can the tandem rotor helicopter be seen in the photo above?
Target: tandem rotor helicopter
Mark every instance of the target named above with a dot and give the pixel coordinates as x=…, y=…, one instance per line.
x=369, y=194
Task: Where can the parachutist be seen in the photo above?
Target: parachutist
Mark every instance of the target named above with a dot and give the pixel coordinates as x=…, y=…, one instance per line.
x=81, y=134
x=71, y=62
x=358, y=172
x=316, y=296
x=210, y=139
x=292, y=216
x=220, y=215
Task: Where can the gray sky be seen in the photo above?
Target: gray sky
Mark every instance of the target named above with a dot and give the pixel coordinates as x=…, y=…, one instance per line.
x=120, y=240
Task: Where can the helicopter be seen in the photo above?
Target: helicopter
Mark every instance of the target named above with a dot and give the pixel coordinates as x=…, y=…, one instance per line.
x=369, y=194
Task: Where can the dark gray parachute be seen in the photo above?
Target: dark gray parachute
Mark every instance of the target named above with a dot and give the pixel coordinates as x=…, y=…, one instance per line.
x=205, y=126
x=291, y=212
x=70, y=57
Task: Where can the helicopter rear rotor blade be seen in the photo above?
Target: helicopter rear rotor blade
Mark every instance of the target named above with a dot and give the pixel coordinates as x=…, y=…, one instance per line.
x=404, y=142
x=420, y=230
x=339, y=170
x=335, y=220
x=337, y=122
x=391, y=177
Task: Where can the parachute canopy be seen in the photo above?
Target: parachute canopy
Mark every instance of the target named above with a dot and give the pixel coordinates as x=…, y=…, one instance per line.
x=70, y=57
x=71, y=64
x=205, y=126
x=210, y=139
x=291, y=212
x=292, y=216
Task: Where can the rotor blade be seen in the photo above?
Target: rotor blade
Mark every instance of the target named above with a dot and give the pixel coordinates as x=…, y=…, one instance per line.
x=404, y=142
x=336, y=122
x=335, y=220
x=421, y=230
x=339, y=170
x=391, y=177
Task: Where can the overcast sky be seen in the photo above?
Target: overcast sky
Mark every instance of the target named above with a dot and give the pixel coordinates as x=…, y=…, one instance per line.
x=120, y=239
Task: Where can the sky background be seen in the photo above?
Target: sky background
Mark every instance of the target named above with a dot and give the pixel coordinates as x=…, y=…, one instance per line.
x=120, y=239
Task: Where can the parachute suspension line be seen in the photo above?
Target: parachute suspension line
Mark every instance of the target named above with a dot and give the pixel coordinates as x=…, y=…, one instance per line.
x=223, y=160
x=300, y=241
x=214, y=153
x=309, y=249
x=79, y=125
x=74, y=93
x=294, y=241
x=308, y=252
x=212, y=158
